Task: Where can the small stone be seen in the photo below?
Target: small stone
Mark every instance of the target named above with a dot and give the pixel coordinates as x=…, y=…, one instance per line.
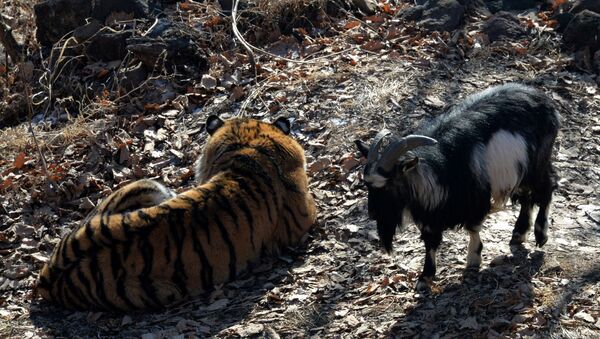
x=584, y=316
x=208, y=81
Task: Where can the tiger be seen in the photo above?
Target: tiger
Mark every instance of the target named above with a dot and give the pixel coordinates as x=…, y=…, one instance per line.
x=145, y=247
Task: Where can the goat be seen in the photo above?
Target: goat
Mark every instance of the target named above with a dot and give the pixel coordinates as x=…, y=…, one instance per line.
x=466, y=163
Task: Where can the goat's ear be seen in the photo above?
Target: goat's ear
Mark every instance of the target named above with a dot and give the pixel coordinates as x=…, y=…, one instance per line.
x=362, y=148
x=213, y=123
x=409, y=164
x=284, y=124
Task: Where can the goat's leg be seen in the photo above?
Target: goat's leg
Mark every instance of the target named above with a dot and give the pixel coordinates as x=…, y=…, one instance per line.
x=523, y=224
x=432, y=242
x=543, y=197
x=541, y=221
x=474, y=250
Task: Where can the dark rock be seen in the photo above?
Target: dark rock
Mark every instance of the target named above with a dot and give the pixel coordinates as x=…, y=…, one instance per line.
x=511, y=5
x=504, y=26
x=583, y=31
x=413, y=13
x=563, y=20
x=103, y=8
x=55, y=18
x=581, y=5
x=153, y=53
x=494, y=5
x=133, y=76
x=85, y=32
x=108, y=45
x=442, y=15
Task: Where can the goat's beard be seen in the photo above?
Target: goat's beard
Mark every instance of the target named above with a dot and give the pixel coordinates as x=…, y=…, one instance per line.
x=385, y=208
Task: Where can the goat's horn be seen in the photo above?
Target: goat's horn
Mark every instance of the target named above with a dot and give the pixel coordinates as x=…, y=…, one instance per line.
x=397, y=148
x=375, y=145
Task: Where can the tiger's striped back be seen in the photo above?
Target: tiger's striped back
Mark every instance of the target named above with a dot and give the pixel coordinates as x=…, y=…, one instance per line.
x=143, y=248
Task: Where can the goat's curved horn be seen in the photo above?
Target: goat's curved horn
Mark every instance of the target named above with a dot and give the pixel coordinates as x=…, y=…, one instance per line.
x=397, y=148
x=376, y=145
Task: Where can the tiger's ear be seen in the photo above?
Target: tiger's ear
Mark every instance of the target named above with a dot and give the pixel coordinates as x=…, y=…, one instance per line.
x=213, y=123
x=283, y=124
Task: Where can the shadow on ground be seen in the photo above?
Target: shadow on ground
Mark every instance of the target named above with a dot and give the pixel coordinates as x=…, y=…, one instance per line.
x=480, y=303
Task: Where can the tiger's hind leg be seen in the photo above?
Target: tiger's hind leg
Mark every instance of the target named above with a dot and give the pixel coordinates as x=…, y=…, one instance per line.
x=138, y=194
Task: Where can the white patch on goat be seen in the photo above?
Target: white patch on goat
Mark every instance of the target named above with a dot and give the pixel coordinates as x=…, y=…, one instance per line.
x=500, y=163
x=376, y=180
x=473, y=254
x=424, y=185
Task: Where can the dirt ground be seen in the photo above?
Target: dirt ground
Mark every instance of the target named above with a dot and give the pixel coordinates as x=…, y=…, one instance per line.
x=339, y=282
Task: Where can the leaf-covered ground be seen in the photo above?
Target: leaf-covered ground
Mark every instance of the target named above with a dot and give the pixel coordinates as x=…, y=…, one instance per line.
x=339, y=282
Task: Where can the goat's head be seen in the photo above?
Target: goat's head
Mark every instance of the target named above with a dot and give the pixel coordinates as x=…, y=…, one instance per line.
x=385, y=176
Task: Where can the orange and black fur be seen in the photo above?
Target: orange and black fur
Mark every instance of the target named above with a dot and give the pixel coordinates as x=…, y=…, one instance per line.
x=145, y=247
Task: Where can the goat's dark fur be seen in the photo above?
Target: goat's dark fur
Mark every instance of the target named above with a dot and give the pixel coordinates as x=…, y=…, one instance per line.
x=456, y=189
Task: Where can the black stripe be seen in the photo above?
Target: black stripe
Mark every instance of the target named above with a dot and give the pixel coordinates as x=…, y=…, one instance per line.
x=89, y=232
x=136, y=191
x=147, y=252
x=251, y=176
x=294, y=219
x=119, y=274
x=200, y=221
x=288, y=230
x=80, y=301
x=178, y=230
x=67, y=300
x=206, y=270
x=75, y=247
x=244, y=208
x=105, y=231
x=65, y=260
x=244, y=187
x=287, y=183
x=146, y=218
x=88, y=288
x=98, y=278
x=224, y=205
x=232, y=253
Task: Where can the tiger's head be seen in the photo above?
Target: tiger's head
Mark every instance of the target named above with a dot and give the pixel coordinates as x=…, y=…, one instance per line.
x=254, y=138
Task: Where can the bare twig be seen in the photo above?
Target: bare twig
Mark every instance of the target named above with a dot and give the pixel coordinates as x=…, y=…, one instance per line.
x=244, y=43
x=13, y=49
x=50, y=184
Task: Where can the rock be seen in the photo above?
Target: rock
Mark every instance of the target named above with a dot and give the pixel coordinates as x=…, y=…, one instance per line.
x=83, y=33
x=55, y=18
x=133, y=76
x=581, y=5
x=208, y=82
x=442, y=15
x=511, y=5
x=504, y=26
x=367, y=6
x=583, y=31
x=103, y=8
x=413, y=13
x=494, y=5
x=174, y=50
x=108, y=45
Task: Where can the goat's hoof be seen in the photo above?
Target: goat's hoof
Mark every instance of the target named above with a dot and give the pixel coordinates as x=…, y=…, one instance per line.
x=424, y=284
x=517, y=239
x=541, y=241
x=473, y=262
